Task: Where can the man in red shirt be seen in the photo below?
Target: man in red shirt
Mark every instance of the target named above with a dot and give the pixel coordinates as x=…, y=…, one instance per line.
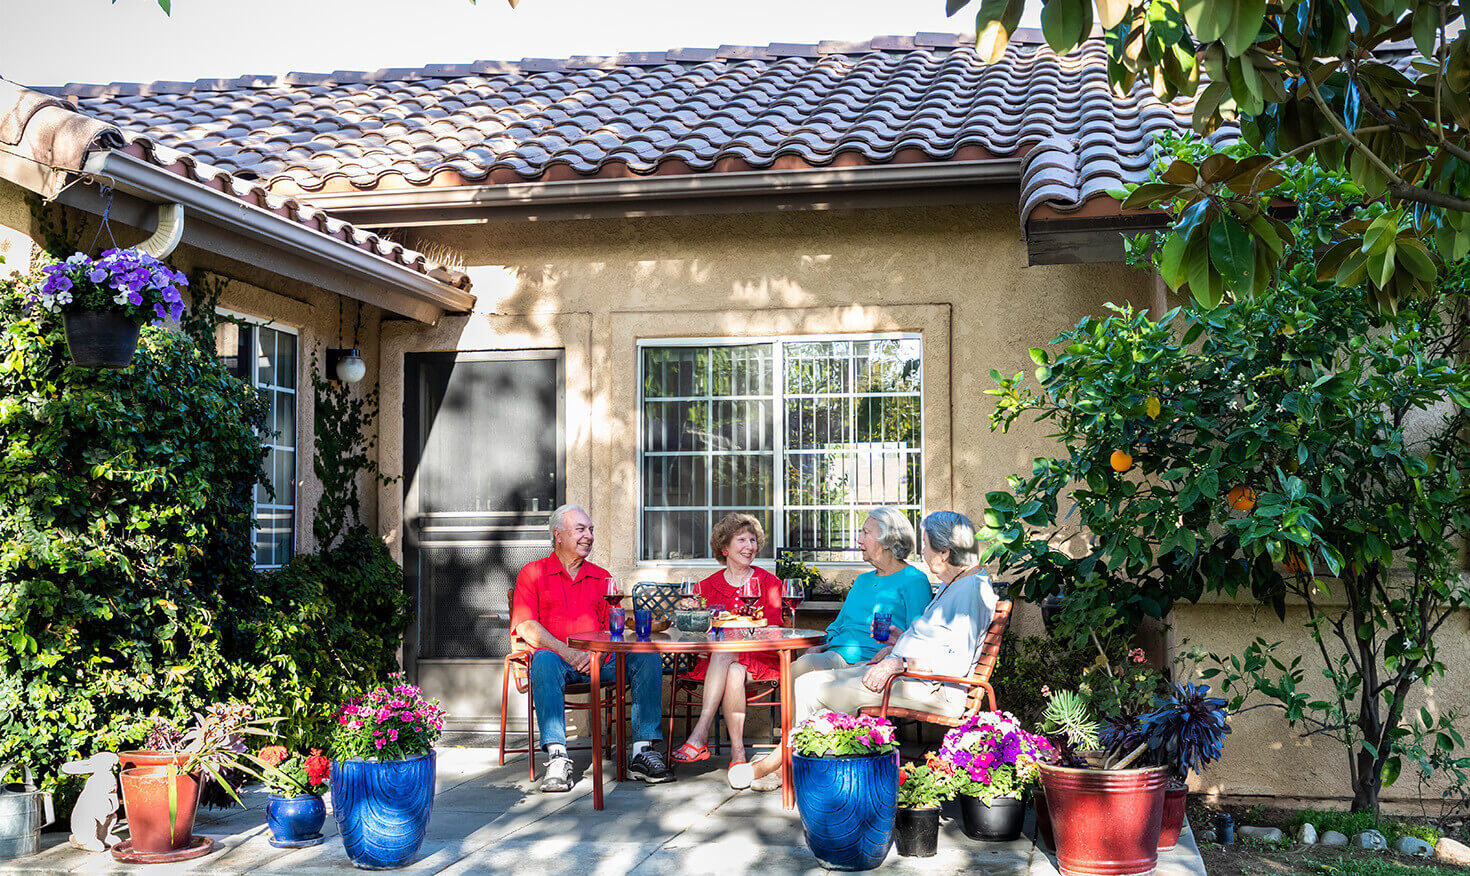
x=560, y=595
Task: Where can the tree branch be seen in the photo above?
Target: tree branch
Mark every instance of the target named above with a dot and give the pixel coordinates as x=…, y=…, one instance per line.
x=1420, y=195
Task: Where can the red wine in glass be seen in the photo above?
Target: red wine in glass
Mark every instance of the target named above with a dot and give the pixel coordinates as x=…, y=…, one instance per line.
x=749, y=595
x=792, y=594
x=611, y=593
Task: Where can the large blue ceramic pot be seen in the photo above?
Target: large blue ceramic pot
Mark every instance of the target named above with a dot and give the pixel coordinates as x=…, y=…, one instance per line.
x=295, y=822
x=382, y=809
x=847, y=806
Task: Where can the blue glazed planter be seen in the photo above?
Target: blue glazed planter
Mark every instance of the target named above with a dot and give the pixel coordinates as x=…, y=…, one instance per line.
x=847, y=807
x=295, y=822
x=382, y=809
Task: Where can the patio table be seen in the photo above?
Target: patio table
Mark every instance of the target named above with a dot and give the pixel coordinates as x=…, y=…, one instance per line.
x=783, y=640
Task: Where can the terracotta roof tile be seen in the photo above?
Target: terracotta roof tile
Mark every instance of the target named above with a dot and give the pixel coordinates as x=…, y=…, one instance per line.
x=891, y=99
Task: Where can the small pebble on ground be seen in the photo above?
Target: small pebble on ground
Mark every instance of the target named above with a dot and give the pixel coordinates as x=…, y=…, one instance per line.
x=1265, y=834
x=1372, y=839
x=1307, y=835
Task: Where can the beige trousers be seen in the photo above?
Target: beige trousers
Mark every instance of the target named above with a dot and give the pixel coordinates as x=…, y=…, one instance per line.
x=842, y=690
x=815, y=662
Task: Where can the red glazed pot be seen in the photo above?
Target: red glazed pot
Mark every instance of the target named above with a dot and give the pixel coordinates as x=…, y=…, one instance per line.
x=1106, y=822
x=1173, y=823
x=145, y=791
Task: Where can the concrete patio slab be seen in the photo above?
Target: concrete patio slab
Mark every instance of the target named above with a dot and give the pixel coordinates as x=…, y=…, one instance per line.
x=490, y=819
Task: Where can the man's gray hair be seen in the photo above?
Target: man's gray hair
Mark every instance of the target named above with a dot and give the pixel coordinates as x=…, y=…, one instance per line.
x=554, y=522
x=895, y=532
x=952, y=531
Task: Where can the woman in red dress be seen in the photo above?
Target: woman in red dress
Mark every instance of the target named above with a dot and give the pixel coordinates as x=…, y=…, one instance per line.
x=736, y=539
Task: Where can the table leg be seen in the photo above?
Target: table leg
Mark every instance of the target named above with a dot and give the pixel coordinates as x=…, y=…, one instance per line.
x=620, y=743
x=788, y=792
x=595, y=719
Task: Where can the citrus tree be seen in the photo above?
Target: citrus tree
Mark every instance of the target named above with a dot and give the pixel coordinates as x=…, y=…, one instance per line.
x=1326, y=79
x=1298, y=446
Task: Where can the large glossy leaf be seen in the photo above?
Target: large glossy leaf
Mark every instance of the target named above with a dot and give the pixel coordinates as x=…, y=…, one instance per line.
x=1244, y=26
x=994, y=24
x=1110, y=12
x=1062, y=23
x=1207, y=19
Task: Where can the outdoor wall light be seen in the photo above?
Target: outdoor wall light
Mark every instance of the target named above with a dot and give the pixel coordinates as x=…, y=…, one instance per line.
x=346, y=364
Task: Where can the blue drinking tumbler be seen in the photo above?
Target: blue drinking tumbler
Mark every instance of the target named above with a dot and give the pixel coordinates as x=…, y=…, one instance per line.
x=617, y=617
x=643, y=622
x=881, y=622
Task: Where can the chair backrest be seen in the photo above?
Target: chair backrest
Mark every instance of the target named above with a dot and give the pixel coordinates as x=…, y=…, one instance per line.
x=989, y=655
x=660, y=597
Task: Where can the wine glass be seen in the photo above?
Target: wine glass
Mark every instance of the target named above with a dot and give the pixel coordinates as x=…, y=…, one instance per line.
x=612, y=593
x=749, y=595
x=687, y=589
x=792, y=593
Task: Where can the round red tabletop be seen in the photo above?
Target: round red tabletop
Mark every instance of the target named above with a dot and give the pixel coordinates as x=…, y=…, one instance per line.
x=677, y=641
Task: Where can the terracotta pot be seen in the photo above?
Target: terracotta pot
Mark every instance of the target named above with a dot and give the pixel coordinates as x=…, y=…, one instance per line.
x=1173, y=823
x=1106, y=822
x=145, y=791
x=149, y=757
x=100, y=338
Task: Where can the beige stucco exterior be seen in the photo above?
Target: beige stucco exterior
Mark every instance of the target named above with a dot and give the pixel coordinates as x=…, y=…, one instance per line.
x=954, y=275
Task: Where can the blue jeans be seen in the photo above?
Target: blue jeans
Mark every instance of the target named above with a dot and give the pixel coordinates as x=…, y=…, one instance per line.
x=550, y=676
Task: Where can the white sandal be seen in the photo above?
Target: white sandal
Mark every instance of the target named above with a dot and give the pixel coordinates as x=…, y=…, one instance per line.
x=740, y=776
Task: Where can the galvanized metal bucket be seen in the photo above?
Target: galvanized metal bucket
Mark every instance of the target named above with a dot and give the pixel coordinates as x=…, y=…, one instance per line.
x=24, y=810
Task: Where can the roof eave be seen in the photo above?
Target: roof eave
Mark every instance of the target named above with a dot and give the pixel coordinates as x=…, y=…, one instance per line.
x=801, y=188
x=407, y=292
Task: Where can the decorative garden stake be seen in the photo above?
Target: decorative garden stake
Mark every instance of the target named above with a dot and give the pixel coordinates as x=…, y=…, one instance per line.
x=94, y=817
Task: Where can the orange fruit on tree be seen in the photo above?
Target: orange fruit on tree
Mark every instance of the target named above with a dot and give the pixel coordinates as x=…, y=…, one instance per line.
x=1241, y=497
x=1294, y=563
x=1120, y=460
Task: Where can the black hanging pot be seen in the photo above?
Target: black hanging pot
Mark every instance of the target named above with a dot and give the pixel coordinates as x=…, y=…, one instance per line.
x=100, y=338
x=916, y=831
x=998, y=821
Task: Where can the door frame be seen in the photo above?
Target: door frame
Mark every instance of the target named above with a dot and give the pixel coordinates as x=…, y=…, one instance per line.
x=412, y=453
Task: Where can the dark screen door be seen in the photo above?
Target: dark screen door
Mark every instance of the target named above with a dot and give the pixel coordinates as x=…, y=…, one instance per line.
x=485, y=462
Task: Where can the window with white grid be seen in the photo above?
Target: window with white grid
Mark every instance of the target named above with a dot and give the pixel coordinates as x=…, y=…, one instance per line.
x=806, y=434
x=265, y=355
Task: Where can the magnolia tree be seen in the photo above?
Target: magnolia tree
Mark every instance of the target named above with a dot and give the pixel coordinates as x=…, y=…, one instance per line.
x=1296, y=445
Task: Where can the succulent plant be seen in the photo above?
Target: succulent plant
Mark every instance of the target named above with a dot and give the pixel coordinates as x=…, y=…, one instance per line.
x=1187, y=729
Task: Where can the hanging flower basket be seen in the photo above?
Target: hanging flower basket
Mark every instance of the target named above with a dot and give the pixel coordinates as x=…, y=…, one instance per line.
x=104, y=301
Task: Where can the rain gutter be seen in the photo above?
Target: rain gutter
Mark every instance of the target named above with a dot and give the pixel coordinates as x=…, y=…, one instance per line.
x=655, y=195
x=408, y=292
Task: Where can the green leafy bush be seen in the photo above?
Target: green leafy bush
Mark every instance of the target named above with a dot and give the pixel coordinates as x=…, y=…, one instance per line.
x=318, y=629
x=124, y=534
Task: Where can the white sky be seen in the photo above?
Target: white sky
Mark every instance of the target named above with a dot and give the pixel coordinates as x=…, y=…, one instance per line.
x=50, y=42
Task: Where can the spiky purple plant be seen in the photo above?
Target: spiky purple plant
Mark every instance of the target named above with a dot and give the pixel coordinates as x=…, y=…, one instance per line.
x=1187, y=729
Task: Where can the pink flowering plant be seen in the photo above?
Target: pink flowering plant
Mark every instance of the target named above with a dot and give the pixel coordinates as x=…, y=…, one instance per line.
x=389, y=722
x=834, y=734
x=994, y=756
x=141, y=287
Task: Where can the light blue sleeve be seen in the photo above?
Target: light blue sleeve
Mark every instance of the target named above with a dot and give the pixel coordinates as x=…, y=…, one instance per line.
x=915, y=592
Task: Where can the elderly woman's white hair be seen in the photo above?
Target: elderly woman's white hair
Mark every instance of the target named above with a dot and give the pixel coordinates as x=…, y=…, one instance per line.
x=895, y=532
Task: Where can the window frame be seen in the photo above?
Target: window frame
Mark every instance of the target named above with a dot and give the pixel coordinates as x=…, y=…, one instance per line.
x=778, y=454
x=256, y=507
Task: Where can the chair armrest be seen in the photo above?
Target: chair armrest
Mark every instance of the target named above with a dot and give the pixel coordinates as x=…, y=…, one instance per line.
x=928, y=676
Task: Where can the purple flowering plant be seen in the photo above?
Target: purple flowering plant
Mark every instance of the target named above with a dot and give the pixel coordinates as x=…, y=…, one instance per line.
x=994, y=756
x=834, y=734
x=389, y=722
x=128, y=280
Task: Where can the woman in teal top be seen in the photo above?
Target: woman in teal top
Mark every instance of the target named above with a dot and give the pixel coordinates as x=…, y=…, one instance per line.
x=895, y=587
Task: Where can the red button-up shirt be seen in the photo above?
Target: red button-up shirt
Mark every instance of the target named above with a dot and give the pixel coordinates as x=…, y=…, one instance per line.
x=563, y=605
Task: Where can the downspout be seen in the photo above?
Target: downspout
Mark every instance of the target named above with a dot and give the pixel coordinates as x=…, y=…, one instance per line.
x=169, y=232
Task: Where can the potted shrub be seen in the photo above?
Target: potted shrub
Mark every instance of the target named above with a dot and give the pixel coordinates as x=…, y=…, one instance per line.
x=1185, y=731
x=161, y=793
x=295, y=812
x=1104, y=814
x=103, y=301
x=383, y=773
x=995, y=761
x=921, y=789
x=845, y=773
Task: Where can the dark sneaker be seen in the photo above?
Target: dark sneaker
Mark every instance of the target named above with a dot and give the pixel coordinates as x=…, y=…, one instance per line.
x=558, y=776
x=648, y=766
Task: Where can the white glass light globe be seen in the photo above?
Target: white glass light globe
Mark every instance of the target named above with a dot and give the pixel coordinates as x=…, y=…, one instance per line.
x=351, y=369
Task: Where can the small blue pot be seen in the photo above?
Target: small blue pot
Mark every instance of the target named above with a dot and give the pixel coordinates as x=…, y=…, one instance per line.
x=847, y=807
x=382, y=809
x=295, y=822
